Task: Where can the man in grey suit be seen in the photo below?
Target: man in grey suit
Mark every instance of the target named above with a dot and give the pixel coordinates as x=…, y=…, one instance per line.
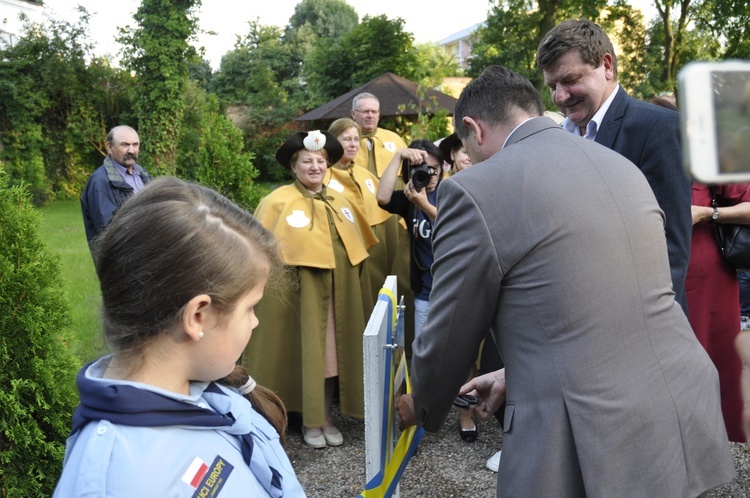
x=557, y=245
x=580, y=69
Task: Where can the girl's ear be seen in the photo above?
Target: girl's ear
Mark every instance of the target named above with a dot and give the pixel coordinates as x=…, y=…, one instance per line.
x=195, y=316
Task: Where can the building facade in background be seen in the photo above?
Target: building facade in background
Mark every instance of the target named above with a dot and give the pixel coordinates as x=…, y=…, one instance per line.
x=11, y=25
x=458, y=45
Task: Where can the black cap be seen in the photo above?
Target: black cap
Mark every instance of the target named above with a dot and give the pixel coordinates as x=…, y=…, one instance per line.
x=318, y=140
x=447, y=145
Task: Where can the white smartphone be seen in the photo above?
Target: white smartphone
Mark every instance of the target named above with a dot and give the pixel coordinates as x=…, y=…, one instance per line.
x=714, y=102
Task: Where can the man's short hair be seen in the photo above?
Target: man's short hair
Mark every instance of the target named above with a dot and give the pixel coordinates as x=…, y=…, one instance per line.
x=363, y=95
x=494, y=97
x=582, y=35
x=111, y=135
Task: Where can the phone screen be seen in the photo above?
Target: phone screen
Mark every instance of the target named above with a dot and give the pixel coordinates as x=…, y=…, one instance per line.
x=731, y=94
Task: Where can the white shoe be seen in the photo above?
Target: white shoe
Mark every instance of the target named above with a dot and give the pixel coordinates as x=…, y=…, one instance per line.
x=314, y=438
x=333, y=436
x=494, y=462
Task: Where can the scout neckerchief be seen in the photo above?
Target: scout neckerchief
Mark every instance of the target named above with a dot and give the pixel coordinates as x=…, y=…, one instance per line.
x=128, y=405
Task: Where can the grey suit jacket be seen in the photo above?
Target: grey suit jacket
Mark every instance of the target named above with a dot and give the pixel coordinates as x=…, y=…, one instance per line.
x=557, y=244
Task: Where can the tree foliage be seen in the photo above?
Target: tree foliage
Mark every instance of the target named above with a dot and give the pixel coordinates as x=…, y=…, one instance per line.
x=260, y=66
x=373, y=47
x=515, y=27
x=159, y=52
x=649, y=56
x=37, y=372
x=316, y=19
x=56, y=100
x=211, y=150
x=260, y=84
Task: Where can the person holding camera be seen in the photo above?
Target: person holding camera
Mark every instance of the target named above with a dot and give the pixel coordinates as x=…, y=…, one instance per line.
x=420, y=165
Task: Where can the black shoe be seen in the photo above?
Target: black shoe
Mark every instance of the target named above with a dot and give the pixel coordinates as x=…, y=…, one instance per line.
x=468, y=436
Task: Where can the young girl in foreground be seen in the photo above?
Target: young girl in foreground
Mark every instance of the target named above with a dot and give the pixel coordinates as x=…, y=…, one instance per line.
x=181, y=269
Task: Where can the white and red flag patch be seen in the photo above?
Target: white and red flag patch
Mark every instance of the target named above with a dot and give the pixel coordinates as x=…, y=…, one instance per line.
x=195, y=472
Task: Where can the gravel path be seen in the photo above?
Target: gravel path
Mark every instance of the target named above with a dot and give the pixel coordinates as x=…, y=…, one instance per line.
x=444, y=465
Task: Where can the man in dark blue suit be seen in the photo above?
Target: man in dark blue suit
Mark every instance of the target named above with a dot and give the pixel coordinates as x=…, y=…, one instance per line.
x=580, y=68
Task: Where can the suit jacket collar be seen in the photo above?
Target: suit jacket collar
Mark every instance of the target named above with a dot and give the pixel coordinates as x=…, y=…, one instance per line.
x=530, y=127
x=612, y=121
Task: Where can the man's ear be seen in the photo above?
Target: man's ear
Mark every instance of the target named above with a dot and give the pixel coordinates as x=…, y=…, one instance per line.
x=609, y=67
x=195, y=316
x=352, y=113
x=476, y=126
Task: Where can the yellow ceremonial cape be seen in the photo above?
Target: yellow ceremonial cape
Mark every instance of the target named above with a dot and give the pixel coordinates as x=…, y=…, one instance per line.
x=299, y=221
x=360, y=187
x=385, y=143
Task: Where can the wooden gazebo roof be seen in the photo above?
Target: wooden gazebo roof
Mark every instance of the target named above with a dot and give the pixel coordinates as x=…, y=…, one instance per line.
x=393, y=91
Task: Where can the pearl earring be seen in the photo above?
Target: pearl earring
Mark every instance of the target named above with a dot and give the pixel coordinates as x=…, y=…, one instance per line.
x=200, y=335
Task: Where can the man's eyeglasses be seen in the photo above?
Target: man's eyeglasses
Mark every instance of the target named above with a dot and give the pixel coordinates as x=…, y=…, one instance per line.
x=367, y=111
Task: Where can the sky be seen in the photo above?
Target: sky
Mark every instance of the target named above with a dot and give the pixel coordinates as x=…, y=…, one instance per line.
x=229, y=18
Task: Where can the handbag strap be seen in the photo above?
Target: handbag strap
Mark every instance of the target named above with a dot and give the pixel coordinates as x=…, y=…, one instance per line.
x=719, y=232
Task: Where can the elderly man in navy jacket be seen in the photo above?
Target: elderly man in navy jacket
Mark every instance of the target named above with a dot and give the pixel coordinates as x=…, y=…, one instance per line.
x=114, y=182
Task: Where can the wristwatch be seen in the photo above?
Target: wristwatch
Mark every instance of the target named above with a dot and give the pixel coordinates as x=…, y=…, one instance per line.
x=715, y=216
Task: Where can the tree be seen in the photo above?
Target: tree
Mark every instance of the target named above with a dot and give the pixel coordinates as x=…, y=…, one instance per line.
x=516, y=27
x=37, y=372
x=315, y=19
x=55, y=107
x=695, y=44
x=434, y=65
x=673, y=35
x=524, y=23
x=423, y=126
x=509, y=38
x=373, y=47
x=211, y=150
x=159, y=52
x=727, y=21
x=262, y=49
x=256, y=78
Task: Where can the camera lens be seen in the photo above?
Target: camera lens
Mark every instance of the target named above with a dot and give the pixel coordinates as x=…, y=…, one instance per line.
x=420, y=176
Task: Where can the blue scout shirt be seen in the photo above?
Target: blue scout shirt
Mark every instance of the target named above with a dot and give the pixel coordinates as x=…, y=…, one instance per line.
x=113, y=460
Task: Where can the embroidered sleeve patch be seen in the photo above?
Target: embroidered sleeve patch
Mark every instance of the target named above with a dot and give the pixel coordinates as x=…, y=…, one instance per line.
x=347, y=214
x=214, y=479
x=370, y=185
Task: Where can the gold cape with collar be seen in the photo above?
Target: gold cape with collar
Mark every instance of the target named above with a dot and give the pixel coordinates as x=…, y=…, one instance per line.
x=385, y=143
x=360, y=187
x=299, y=221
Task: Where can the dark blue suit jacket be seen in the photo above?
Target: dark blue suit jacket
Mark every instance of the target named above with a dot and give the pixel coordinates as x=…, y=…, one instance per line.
x=649, y=136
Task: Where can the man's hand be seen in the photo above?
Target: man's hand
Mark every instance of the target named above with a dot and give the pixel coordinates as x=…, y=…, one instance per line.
x=490, y=389
x=406, y=411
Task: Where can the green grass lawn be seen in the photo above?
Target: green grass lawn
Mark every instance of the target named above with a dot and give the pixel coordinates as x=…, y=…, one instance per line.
x=62, y=230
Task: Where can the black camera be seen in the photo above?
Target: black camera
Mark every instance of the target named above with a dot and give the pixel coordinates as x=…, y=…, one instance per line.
x=419, y=174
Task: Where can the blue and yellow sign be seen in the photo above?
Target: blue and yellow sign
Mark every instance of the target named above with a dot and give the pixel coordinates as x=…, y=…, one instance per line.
x=393, y=459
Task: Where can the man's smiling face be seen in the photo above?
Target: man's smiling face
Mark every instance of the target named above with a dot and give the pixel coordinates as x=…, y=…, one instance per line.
x=579, y=89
